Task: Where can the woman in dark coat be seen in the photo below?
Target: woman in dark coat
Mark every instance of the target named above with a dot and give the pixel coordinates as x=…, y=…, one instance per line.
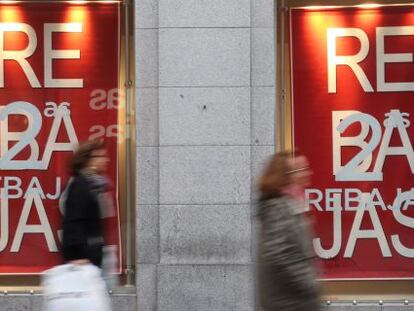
x=83, y=240
x=287, y=280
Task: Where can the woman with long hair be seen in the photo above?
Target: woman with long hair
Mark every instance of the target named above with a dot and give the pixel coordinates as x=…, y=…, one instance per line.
x=78, y=284
x=287, y=280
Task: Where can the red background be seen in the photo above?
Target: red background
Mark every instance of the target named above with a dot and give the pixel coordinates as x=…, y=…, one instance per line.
x=313, y=106
x=98, y=66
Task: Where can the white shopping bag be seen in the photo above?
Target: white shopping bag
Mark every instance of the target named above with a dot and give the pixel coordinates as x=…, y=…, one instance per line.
x=109, y=266
x=75, y=288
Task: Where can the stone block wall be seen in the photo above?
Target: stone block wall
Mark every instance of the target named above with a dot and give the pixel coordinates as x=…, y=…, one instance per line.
x=205, y=86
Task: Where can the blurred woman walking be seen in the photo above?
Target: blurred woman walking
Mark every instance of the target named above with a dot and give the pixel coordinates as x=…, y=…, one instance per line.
x=287, y=280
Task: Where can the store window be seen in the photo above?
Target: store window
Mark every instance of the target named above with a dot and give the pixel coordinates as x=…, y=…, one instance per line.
x=345, y=88
x=65, y=78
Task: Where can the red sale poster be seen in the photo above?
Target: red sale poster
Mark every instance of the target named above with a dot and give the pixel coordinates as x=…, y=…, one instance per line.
x=59, y=65
x=352, y=75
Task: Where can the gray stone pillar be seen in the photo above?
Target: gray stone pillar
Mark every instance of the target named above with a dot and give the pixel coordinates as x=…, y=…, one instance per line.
x=205, y=105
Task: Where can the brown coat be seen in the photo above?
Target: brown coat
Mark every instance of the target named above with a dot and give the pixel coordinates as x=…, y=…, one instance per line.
x=287, y=280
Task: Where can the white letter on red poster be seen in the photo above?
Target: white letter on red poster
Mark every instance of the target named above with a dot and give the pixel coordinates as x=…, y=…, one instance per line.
x=351, y=61
x=51, y=54
x=383, y=58
x=19, y=56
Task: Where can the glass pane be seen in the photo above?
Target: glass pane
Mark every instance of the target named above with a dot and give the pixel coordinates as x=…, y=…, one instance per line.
x=60, y=86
